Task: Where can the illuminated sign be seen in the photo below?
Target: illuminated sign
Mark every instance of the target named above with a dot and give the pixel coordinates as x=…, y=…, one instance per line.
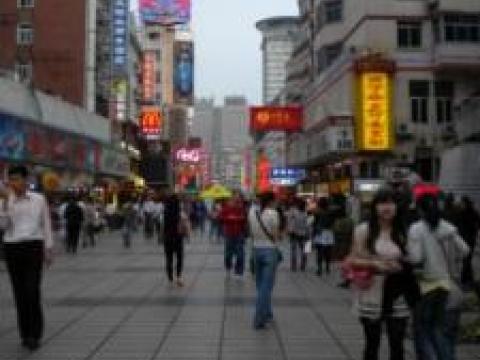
x=189, y=155
x=374, y=118
x=120, y=9
x=165, y=11
x=150, y=121
x=183, y=73
x=273, y=118
x=148, y=76
x=286, y=176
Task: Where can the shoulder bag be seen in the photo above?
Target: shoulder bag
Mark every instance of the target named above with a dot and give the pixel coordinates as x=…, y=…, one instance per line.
x=270, y=237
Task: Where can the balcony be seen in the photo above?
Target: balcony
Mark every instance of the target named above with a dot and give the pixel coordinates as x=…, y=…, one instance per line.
x=457, y=56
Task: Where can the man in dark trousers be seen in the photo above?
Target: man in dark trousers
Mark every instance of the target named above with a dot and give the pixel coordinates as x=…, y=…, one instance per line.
x=74, y=219
x=28, y=243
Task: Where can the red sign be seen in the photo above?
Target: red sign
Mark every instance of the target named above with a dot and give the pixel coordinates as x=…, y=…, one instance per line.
x=276, y=118
x=150, y=120
x=148, y=76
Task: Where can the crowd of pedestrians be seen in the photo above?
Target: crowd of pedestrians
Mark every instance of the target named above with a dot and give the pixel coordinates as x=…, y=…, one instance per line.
x=400, y=270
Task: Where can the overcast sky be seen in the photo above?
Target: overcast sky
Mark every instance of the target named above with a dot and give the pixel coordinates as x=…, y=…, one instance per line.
x=227, y=45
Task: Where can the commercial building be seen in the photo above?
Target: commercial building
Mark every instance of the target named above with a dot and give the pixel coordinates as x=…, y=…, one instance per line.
x=278, y=35
x=380, y=94
x=51, y=45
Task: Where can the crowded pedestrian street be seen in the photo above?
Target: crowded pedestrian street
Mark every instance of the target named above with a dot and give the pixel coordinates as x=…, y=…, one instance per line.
x=111, y=303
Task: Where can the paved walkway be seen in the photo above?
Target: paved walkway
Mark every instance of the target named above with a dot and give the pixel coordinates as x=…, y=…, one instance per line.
x=114, y=304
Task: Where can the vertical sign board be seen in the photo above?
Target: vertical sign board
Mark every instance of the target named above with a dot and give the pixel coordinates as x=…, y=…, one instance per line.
x=183, y=73
x=119, y=56
x=150, y=122
x=374, y=126
x=148, y=76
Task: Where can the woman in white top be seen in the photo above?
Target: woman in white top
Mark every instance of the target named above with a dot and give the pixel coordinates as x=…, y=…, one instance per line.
x=379, y=245
x=265, y=232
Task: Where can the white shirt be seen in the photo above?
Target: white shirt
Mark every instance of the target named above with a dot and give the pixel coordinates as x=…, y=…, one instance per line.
x=149, y=207
x=271, y=221
x=29, y=220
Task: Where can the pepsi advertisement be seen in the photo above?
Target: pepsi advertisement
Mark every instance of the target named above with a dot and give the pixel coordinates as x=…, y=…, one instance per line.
x=183, y=73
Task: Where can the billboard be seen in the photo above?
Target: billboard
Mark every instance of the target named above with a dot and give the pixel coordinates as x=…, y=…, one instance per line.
x=374, y=130
x=148, y=76
x=276, y=118
x=120, y=9
x=189, y=155
x=165, y=11
x=150, y=121
x=183, y=74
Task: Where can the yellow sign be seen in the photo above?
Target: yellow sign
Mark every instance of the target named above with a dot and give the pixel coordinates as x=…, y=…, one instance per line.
x=374, y=126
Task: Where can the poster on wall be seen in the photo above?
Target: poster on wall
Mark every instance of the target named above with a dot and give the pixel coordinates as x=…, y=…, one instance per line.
x=183, y=73
x=165, y=12
x=12, y=140
x=37, y=144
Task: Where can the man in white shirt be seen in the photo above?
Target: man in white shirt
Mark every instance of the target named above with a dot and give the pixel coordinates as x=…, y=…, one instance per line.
x=28, y=242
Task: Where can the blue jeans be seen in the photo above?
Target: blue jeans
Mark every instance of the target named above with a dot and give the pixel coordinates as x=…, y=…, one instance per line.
x=266, y=261
x=429, y=327
x=452, y=325
x=235, y=247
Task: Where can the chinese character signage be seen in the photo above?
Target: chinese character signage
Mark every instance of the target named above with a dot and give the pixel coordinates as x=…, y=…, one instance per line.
x=148, y=76
x=286, y=176
x=374, y=119
x=183, y=73
x=273, y=118
x=165, y=11
x=150, y=121
x=120, y=36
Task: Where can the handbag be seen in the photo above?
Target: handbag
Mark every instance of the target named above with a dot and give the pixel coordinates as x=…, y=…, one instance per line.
x=270, y=237
x=307, y=248
x=360, y=276
x=456, y=297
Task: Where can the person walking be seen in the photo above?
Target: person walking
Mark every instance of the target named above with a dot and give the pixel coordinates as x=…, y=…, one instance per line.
x=148, y=212
x=468, y=227
x=175, y=230
x=233, y=218
x=428, y=240
x=378, y=247
x=28, y=243
x=323, y=236
x=74, y=219
x=129, y=215
x=89, y=223
x=299, y=234
x=265, y=232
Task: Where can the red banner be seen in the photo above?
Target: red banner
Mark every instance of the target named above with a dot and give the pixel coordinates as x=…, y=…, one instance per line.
x=150, y=120
x=276, y=118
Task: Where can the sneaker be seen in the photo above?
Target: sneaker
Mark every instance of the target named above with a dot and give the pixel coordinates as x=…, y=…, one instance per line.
x=31, y=344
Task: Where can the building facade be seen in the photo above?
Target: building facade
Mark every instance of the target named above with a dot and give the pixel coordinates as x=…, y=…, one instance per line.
x=428, y=55
x=51, y=45
x=278, y=34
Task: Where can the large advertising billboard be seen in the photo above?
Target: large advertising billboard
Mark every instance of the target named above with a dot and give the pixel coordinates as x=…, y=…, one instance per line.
x=183, y=73
x=374, y=115
x=276, y=118
x=165, y=11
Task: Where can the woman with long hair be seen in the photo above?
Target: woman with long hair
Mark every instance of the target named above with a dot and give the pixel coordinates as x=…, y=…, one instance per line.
x=265, y=233
x=379, y=246
x=433, y=245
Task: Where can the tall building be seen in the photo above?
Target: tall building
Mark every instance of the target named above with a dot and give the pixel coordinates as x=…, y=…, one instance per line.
x=51, y=44
x=278, y=38
x=234, y=119
x=386, y=80
x=203, y=123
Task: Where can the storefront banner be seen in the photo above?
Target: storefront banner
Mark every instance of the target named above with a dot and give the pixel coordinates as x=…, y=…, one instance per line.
x=37, y=144
x=60, y=153
x=183, y=73
x=12, y=140
x=276, y=118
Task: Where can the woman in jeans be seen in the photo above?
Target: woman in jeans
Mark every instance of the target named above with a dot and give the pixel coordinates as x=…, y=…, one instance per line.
x=380, y=246
x=265, y=232
x=430, y=241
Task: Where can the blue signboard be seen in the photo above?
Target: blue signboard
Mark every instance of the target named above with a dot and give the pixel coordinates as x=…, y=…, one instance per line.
x=183, y=73
x=12, y=139
x=120, y=36
x=286, y=176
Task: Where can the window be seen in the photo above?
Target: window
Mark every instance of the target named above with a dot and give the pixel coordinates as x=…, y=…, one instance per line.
x=409, y=35
x=462, y=28
x=327, y=55
x=419, y=94
x=333, y=11
x=25, y=34
x=444, y=94
x=23, y=4
x=23, y=71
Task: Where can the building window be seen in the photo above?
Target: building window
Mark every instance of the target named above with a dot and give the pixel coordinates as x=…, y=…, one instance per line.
x=327, y=55
x=24, y=34
x=409, y=35
x=462, y=28
x=24, y=4
x=333, y=11
x=419, y=94
x=23, y=71
x=444, y=95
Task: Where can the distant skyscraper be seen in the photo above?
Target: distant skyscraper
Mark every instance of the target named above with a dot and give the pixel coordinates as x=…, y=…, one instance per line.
x=277, y=46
